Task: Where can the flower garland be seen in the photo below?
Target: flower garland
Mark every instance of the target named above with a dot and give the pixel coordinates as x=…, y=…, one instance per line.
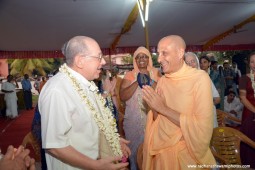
x=104, y=120
x=252, y=81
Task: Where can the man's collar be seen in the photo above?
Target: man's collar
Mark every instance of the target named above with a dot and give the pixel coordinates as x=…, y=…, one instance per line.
x=93, y=87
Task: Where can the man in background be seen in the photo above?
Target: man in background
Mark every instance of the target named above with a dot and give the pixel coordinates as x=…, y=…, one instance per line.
x=26, y=85
x=234, y=107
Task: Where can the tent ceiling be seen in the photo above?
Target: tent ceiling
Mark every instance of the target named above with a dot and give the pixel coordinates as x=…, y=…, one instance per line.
x=35, y=25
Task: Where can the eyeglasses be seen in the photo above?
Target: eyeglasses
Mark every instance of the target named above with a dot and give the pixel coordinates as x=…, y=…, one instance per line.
x=99, y=57
x=139, y=57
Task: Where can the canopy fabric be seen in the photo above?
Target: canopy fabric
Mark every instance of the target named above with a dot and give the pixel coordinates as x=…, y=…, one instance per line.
x=32, y=27
x=108, y=51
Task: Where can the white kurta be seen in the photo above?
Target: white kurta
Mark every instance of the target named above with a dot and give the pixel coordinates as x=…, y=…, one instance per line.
x=66, y=120
x=10, y=99
x=235, y=105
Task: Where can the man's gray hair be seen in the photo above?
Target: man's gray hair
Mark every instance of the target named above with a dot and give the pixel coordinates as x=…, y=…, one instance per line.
x=76, y=45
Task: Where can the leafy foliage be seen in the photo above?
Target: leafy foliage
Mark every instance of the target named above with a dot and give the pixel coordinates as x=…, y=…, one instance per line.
x=19, y=67
x=127, y=59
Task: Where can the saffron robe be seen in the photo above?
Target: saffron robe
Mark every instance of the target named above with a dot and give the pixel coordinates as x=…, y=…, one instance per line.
x=168, y=146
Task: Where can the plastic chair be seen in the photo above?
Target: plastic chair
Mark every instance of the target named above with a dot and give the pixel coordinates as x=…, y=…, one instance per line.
x=223, y=116
x=225, y=145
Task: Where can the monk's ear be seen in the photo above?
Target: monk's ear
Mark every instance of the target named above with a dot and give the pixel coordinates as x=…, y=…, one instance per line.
x=181, y=53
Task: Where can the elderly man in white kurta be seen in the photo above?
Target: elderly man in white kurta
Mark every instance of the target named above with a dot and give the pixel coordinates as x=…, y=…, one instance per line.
x=10, y=97
x=234, y=107
x=68, y=103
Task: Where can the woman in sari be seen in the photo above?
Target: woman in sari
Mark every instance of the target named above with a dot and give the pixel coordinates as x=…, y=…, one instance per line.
x=131, y=93
x=247, y=96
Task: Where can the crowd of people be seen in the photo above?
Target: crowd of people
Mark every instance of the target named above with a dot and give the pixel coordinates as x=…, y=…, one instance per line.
x=10, y=87
x=89, y=118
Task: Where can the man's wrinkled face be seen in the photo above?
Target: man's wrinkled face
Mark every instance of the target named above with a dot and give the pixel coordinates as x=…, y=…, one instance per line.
x=168, y=57
x=92, y=62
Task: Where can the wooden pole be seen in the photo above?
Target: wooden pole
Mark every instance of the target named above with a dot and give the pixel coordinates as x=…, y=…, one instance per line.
x=146, y=28
x=146, y=35
x=110, y=58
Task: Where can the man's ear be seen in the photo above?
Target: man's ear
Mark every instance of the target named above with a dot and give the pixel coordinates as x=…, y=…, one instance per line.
x=78, y=61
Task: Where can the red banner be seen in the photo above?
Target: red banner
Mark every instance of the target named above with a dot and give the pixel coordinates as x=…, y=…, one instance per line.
x=118, y=50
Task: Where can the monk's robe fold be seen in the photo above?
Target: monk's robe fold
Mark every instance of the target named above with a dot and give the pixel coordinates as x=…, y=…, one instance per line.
x=170, y=147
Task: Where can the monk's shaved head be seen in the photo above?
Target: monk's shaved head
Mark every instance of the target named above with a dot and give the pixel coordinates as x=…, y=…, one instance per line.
x=171, y=51
x=175, y=40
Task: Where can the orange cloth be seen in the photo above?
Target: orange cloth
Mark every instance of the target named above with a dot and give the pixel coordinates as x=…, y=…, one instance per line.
x=169, y=147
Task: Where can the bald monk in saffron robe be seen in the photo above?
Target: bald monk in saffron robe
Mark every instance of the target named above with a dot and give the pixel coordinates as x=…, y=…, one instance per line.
x=180, y=123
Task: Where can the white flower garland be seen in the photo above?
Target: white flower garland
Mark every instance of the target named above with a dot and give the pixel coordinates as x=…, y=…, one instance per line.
x=104, y=120
x=252, y=81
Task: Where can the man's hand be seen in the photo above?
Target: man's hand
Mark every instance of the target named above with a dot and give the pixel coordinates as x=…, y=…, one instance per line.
x=17, y=159
x=107, y=86
x=124, y=148
x=110, y=163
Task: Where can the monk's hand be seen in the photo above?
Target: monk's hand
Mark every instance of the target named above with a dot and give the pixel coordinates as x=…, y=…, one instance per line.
x=155, y=99
x=124, y=148
x=107, y=85
x=113, y=85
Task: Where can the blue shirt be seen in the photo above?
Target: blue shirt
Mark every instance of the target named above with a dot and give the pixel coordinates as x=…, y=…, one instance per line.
x=26, y=85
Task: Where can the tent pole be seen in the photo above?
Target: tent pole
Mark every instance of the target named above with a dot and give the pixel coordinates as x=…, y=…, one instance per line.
x=146, y=35
x=110, y=58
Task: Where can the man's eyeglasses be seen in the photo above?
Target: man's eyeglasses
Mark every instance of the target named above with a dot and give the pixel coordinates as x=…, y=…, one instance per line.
x=141, y=57
x=99, y=57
